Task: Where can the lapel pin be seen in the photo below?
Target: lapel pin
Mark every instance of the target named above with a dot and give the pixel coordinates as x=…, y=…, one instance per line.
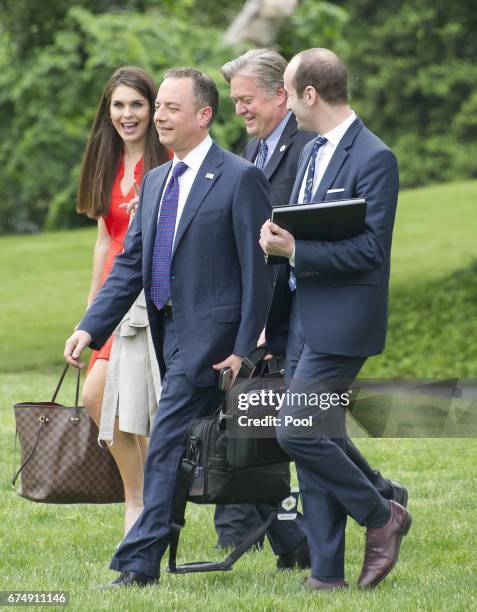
x=209, y=175
x=282, y=148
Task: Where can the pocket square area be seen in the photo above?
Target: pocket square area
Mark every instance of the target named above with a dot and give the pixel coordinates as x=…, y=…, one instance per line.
x=335, y=190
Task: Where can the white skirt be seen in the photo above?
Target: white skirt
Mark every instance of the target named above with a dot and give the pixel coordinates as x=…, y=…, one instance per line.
x=133, y=381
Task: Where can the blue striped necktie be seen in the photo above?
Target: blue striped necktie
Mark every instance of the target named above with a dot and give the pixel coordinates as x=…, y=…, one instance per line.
x=262, y=154
x=319, y=142
x=161, y=257
x=307, y=194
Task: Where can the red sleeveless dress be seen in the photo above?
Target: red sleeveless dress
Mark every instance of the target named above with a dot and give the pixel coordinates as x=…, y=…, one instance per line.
x=116, y=221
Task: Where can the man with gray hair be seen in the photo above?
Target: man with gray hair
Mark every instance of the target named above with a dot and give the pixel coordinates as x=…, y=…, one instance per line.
x=257, y=90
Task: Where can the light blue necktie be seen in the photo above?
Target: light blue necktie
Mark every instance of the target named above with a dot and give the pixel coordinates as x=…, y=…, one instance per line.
x=161, y=257
x=262, y=154
x=319, y=142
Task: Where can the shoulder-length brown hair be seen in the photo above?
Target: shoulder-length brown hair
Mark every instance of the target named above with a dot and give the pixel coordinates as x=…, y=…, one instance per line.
x=104, y=146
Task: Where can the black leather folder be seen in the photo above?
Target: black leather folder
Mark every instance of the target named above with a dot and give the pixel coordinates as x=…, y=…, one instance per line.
x=329, y=221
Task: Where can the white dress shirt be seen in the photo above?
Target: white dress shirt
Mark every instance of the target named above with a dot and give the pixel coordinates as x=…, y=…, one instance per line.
x=325, y=153
x=323, y=158
x=193, y=160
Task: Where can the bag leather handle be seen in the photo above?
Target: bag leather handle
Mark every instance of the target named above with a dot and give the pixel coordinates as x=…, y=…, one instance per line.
x=62, y=377
x=250, y=362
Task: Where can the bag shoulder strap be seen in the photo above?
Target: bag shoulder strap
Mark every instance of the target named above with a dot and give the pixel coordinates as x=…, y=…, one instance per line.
x=184, y=479
x=43, y=420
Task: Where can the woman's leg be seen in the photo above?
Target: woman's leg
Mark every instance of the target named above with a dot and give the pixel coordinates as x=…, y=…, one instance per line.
x=126, y=450
x=143, y=444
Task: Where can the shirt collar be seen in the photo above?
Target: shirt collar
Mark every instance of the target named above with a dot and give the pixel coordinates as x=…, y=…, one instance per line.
x=274, y=137
x=337, y=133
x=194, y=158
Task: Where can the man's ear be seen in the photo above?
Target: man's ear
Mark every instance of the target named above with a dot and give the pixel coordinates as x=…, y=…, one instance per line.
x=310, y=95
x=205, y=115
x=281, y=95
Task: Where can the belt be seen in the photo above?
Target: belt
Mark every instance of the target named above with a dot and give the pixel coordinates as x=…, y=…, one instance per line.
x=167, y=310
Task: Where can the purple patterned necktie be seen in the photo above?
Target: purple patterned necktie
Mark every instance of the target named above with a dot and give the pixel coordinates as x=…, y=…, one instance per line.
x=161, y=257
x=319, y=142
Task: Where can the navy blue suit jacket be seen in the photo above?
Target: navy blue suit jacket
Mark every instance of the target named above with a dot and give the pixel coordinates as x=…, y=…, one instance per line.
x=281, y=168
x=220, y=286
x=342, y=287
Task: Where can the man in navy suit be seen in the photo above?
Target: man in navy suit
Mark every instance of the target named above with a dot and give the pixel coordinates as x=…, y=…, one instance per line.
x=329, y=311
x=256, y=88
x=193, y=247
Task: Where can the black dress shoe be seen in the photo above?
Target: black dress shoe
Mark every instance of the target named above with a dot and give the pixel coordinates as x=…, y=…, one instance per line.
x=299, y=558
x=131, y=578
x=398, y=493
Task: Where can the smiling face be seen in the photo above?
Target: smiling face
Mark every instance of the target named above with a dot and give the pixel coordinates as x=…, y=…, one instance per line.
x=179, y=121
x=130, y=114
x=262, y=112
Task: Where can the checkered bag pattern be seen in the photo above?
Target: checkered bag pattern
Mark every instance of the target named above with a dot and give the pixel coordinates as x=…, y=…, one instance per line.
x=61, y=460
x=161, y=256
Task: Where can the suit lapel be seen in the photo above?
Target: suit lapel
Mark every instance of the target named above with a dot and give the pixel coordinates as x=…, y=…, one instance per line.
x=337, y=160
x=282, y=147
x=251, y=150
x=153, y=202
x=305, y=158
x=206, y=176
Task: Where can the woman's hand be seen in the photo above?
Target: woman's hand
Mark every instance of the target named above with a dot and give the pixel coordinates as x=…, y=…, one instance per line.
x=131, y=206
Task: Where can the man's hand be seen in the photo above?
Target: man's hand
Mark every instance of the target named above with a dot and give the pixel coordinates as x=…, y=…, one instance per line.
x=274, y=240
x=262, y=340
x=233, y=361
x=74, y=346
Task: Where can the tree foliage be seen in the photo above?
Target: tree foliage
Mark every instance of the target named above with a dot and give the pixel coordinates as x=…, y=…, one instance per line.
x=413, y=75
x=48, y=101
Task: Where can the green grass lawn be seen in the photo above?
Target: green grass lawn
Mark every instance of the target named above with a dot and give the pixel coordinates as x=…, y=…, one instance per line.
x=45, y=279
x=435, y=233
x=49, y=547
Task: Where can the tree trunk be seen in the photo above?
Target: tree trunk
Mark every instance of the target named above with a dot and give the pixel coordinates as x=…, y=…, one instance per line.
x=259, y=22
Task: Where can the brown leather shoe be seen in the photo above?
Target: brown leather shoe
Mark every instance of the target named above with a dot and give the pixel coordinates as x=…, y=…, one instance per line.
x=382, y=547
x=319, y=585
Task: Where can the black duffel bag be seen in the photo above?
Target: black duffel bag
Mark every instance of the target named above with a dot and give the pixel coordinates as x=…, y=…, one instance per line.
x=209, y=474
x=254, y=449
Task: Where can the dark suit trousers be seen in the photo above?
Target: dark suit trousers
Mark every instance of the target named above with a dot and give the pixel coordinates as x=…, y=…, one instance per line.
x=236, y=521
x=180, y=403
x=145, y=544
x=331, y=485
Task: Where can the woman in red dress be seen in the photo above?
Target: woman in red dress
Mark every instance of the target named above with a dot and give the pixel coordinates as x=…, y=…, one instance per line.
x=122, y=147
